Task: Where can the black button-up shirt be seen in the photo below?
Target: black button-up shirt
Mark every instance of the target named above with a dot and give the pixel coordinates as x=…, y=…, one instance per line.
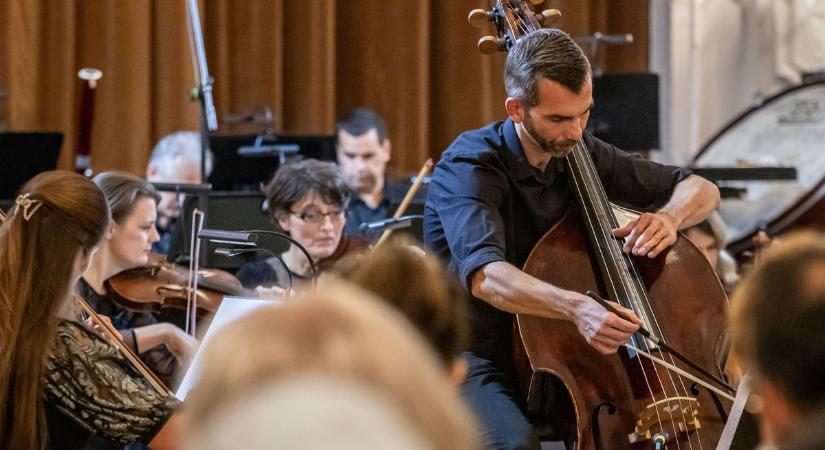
x=359, y=212
x=487, y=203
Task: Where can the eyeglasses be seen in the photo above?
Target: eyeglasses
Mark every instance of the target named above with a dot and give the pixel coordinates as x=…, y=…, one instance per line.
x=317, y=217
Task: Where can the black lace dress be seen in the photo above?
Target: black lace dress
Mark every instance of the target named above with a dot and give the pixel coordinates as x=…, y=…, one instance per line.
x=91, y=387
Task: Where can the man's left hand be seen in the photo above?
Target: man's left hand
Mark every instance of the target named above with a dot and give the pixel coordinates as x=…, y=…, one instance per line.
x=648, y=235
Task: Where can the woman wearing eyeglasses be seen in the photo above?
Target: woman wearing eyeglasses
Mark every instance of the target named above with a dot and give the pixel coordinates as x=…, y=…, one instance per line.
x=308, y=201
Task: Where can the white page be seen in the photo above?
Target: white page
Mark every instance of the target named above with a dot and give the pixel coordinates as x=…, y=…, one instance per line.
x=231, y=309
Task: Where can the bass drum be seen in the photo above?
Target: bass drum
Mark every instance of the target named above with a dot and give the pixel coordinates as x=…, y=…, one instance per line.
x=786, y=130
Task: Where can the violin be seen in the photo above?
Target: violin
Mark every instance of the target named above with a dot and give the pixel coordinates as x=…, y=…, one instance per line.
x=161, y=285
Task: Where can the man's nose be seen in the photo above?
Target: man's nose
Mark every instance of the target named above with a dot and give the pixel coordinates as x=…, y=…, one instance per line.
x=574, y=130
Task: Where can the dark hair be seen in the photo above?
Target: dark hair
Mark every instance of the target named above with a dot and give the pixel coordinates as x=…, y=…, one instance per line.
x=778, y=317
x=361, y=120
x=418, y=286
x=294, y=181
x=122, y=190
x=58, y=215
x=546, y=53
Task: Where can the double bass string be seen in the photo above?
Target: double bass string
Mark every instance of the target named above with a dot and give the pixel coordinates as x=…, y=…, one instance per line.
x=525, y=25
x=632, y=290
x=631, y=268
x=575, y=163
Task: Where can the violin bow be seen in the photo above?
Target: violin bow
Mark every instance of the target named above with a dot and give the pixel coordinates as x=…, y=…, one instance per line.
x=194, y=269
x=405, y=203
x=114, y=337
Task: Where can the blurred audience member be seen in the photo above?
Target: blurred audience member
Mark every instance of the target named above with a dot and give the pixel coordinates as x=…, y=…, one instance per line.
x=342, y=332
x=777, y=321
x=422, y=289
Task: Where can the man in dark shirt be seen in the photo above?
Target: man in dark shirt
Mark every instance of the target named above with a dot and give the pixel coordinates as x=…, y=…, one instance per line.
x=364, y=147
x=498, y=189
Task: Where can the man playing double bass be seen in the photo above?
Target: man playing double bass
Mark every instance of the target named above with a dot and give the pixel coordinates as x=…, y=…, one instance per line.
x=498, y=189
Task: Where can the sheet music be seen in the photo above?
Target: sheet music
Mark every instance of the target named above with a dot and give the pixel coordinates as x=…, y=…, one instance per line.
x=231, y=309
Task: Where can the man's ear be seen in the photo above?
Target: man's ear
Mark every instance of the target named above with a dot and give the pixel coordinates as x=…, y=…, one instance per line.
x=387, y=146
x=515, y=109
x=151, y=170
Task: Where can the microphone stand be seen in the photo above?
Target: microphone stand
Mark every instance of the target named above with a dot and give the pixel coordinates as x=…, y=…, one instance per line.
x=203, y=89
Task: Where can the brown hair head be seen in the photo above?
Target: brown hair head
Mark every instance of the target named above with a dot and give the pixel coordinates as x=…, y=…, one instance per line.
x=58, y=215
x=294, y=181
x=546, y=53
x=122, y=190
x=342, y=331
x=420, y=287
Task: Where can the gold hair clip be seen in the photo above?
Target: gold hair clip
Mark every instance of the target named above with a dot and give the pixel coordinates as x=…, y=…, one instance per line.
x=29, y=205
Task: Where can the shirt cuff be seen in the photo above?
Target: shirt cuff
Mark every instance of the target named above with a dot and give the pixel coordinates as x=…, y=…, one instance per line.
x=476, y=261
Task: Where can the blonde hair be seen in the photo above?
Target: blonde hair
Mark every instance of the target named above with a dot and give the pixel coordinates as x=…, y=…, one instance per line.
x=60, y=215
x=338, y=330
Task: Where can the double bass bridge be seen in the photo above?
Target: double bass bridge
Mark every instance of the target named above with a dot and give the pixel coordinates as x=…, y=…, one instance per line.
x=683, y=412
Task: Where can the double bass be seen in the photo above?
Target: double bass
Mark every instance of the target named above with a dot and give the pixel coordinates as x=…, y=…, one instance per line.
x=665, y=388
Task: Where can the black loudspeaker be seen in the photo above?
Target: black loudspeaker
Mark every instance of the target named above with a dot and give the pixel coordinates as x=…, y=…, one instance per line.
x=626, y=111
x=24, y=156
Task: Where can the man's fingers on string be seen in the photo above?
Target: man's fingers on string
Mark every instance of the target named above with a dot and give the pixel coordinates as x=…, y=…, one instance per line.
x=641, y=225
x=625, y=230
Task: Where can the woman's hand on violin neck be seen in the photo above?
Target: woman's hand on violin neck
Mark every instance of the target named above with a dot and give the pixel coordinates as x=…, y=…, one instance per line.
x=98, y=327
x=650, y=234
x=602, y=329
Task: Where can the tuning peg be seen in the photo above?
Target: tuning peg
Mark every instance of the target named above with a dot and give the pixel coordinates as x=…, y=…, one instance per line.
x=548, y=17
x=478, y=18
x=489, y=45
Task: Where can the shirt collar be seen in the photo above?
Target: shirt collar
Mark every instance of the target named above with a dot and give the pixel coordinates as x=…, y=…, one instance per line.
x=516, y=161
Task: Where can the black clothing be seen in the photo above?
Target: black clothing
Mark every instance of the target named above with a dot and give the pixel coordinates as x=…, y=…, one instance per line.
x=487, y=203
x=159, y=359
x=268, y=273
x=91, y=388
x=359, y=212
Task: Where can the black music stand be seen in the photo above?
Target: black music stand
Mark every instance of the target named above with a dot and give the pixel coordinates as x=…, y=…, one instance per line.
x=239, y=166
x=24, y=156
x=230, y=211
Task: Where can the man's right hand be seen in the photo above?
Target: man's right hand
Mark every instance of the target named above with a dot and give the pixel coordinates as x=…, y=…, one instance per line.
x=602, y=329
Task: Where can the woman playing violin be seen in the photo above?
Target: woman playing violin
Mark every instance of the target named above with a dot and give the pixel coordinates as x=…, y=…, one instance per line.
x=127, y=244
x=59, y=380
x=307, y=200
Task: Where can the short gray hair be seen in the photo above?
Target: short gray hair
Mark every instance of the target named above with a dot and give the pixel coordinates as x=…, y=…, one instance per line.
x=185, y=144
x=547, y=53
